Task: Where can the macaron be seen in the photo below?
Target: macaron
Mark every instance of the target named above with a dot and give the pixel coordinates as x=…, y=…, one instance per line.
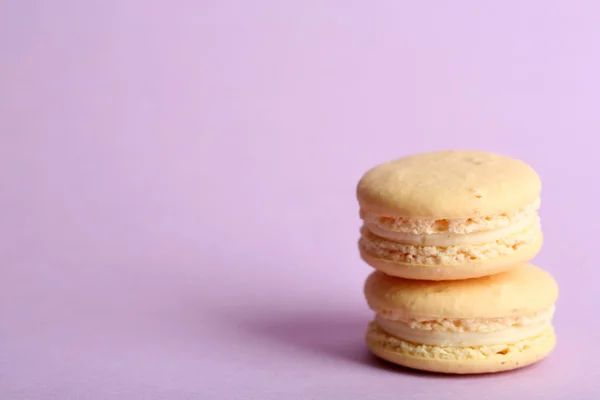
x=449, y=215
x=489, y=324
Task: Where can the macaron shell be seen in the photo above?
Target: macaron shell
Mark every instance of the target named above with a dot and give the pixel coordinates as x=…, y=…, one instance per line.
x=522, y=290
x=471, y=269
x=506, y=363
x=448, y=184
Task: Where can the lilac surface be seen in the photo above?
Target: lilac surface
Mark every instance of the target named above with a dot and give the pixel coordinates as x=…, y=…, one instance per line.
x=178, y=217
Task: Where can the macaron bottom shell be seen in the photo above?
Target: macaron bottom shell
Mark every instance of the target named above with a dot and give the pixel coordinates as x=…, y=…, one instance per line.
x=440, y=272
x=451, y=360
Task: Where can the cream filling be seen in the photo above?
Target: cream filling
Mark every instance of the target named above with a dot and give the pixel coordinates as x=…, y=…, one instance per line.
x=446, y=239
x=402, y=330
x=414, y=225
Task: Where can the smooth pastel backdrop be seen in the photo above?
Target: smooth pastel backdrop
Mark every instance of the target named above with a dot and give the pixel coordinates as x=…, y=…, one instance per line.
x=177, y=210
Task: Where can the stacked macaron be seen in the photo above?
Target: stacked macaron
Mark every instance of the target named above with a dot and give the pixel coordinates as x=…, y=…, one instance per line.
x=450, y=234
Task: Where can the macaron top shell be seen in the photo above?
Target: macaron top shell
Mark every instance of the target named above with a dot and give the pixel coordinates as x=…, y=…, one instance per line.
x=523, y=290
x=449, y=184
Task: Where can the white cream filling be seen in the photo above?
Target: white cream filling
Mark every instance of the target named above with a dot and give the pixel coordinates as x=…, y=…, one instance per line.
x=510, y=335
x=446, y=239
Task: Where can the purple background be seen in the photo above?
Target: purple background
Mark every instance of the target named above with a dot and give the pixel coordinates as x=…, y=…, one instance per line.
x=178, y=218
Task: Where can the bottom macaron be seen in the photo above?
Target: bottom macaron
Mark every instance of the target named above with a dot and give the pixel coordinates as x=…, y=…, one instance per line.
x=491, y=324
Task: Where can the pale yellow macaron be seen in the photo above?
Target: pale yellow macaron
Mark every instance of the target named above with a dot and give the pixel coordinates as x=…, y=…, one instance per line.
x=449, y=215
x=481, y=325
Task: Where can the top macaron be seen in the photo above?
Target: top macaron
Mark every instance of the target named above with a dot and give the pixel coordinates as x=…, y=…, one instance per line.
x=449, y=215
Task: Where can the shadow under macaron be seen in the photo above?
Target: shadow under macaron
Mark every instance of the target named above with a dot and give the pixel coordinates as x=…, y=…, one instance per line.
x=333, y=335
